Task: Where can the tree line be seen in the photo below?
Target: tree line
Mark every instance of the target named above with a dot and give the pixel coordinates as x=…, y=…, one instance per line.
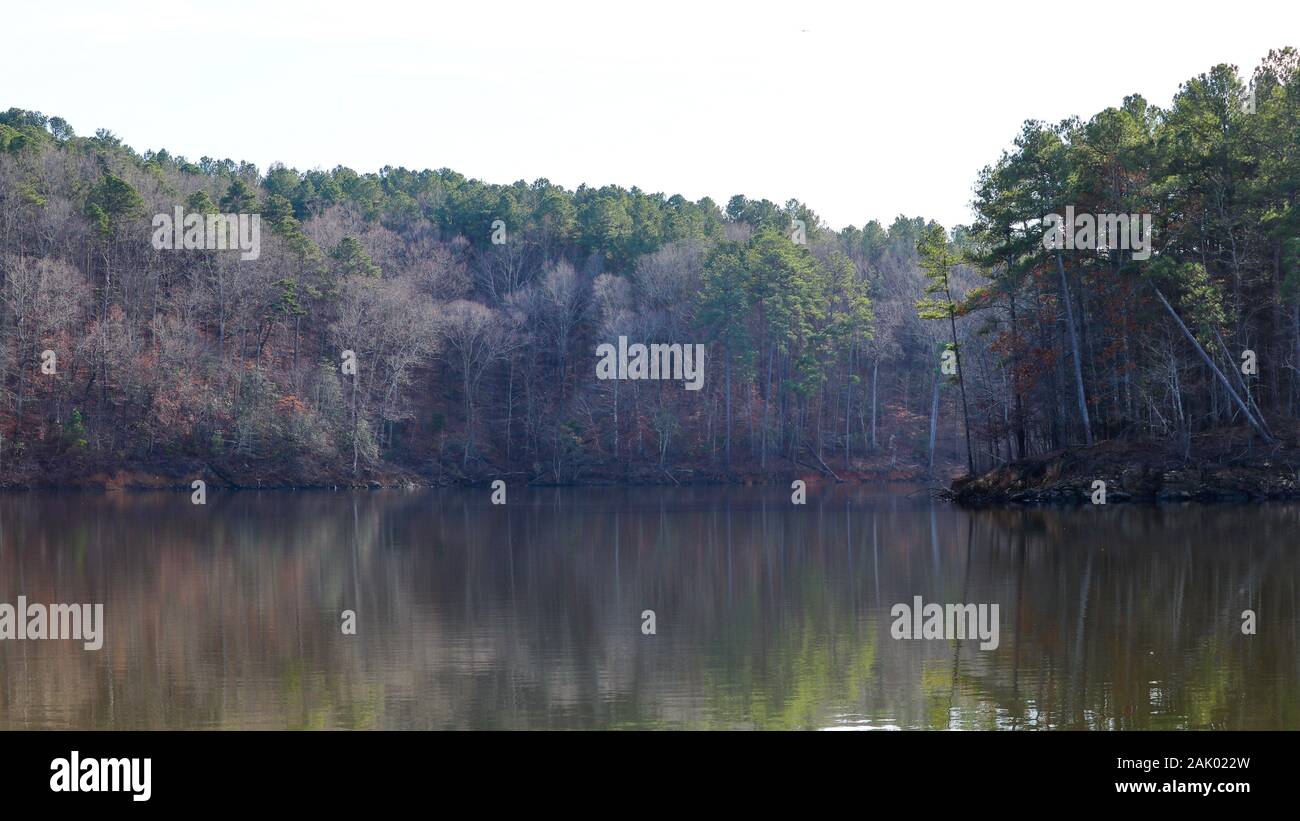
x=472, y=311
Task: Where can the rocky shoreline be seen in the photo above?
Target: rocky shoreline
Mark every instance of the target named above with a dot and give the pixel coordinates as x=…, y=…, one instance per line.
x=1223, y=467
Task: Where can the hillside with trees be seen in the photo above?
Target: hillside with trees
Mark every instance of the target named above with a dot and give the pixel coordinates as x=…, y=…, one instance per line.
x=475, y=359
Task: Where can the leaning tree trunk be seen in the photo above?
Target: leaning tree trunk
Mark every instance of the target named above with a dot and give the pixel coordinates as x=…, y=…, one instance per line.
x=1205, y=357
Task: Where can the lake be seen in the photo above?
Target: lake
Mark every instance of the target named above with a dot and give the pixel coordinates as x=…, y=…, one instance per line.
x=470, y=615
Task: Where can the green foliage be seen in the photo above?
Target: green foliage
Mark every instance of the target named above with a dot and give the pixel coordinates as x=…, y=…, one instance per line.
x=938, y=258
x=238, y=199
x=74, y=432
x=112, y=202
x=200, y=203
x=725, y=304
x=771, y=292
x=350, y=259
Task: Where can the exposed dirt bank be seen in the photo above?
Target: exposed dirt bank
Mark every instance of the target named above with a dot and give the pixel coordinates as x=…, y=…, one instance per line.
x=179, y=474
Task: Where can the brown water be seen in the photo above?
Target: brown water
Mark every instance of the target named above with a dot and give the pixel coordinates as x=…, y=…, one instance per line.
x=528, y=615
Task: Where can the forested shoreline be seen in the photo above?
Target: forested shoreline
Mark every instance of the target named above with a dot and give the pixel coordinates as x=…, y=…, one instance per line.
x=473, y=312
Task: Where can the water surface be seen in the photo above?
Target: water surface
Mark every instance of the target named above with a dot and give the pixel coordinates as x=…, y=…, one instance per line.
x=529, y=615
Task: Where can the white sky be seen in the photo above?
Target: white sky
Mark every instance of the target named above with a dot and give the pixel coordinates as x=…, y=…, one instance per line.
x=860, y=110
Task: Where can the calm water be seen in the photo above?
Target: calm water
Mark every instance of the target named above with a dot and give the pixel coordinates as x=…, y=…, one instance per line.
x=529, y=615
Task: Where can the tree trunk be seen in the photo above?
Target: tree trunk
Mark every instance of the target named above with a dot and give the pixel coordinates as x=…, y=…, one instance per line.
x=1074, y=349
x=934, y=417
x=875, y=373
x=961, y=384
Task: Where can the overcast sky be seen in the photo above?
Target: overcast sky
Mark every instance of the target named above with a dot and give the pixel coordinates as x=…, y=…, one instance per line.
x=862, y=111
